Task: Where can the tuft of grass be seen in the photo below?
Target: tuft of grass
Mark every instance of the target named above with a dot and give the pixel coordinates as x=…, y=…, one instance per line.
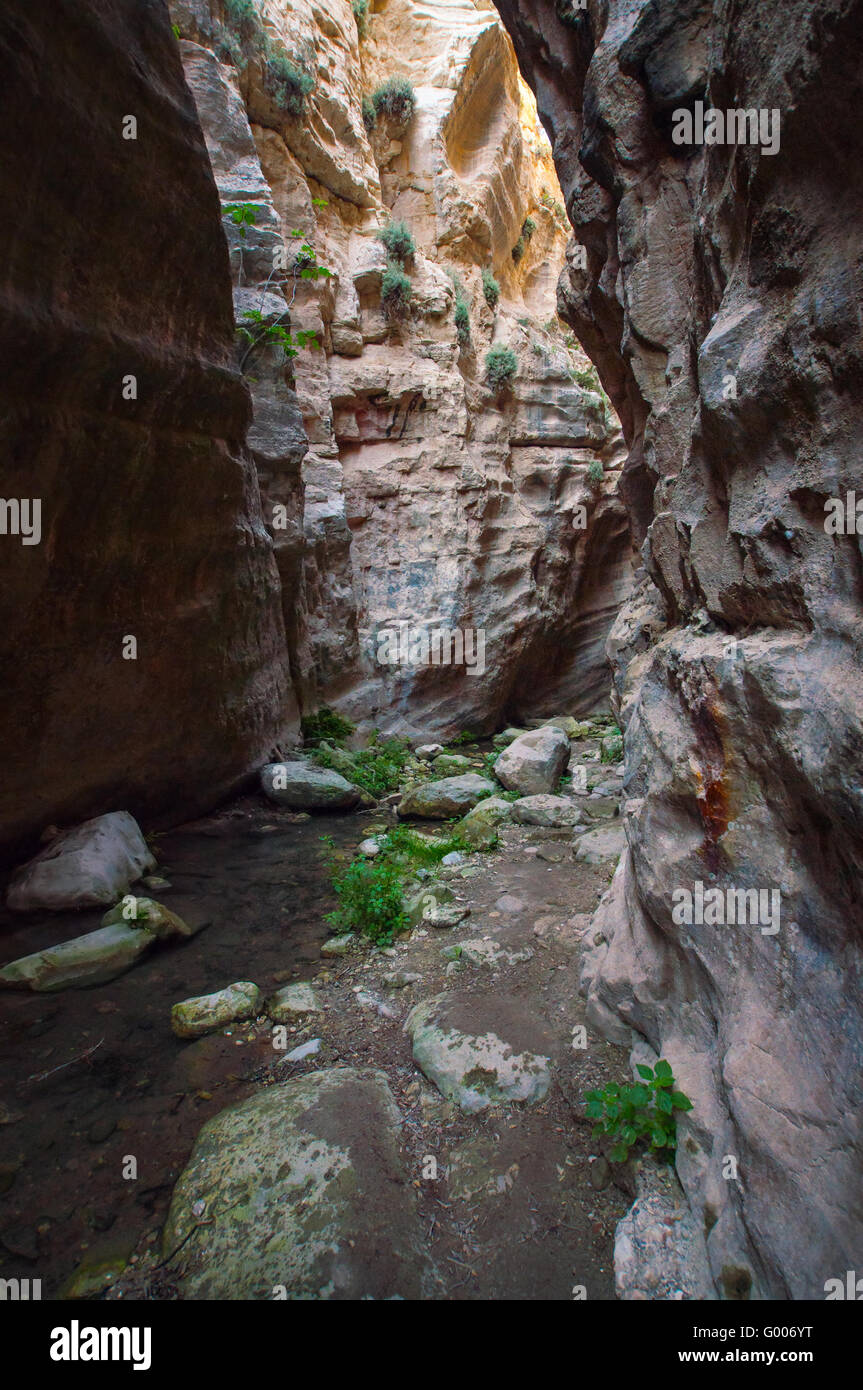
x=422, y=851
x=490, y=288
x=518, y=250
x=501, y=366
x=595, y=472
x=395, y=99
x=462, y=320
x=287, y=84
x=398, y=240
x=528, y=227
x=370, y=115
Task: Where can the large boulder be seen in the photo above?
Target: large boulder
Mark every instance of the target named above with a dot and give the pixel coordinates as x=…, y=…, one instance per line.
x=86, y=960
x=534, y=762
x=305, y=787
x=451, y=796
x=601, y=846
x=308, y=1199
x=90, y=866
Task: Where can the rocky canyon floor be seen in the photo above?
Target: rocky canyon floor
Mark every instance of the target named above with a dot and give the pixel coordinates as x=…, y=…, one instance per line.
x=513, y=1202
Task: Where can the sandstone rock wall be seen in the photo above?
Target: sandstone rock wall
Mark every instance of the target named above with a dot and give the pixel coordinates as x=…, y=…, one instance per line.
x=721, y=305
x=423, y=498
x=113, y=264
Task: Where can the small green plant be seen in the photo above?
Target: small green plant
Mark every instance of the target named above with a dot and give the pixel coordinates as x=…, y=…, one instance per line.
x=370, y=115
x=462, y=320
x=490, y=288
x=554, y=205
x=528, y=227
x=176, y=29
x=399, y=242
x=586, y=377
x=369, y=894
x=595, y=472
x=325, y=723
x=460, y=739
x=518, y=250
x=611, y=748
x=360, y=9
x=243, y=214
x=501, y=366
x=641, y=1112
x=423, y=851
x=396, y=291
x=287, y=84
x=395, y=99
x=275, y=334
x=246, y=22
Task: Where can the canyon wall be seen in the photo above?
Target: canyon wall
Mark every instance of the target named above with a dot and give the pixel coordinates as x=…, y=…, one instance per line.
x=113, y=266
x=721, y=304
x=423, y=499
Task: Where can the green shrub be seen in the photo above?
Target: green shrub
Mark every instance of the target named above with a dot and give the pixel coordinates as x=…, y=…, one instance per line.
x=360, y=10
x=462, y=320
x=518, y=250
x=229, y=49
x=396, y=291
x=325, y=723
x=501, y=366
x=398, y=240
x=490, y=288
x=287, y=84
x=595, y=472
x=644, y=1112
x=396, y=99
x=370, y=900
x=586, y=377
x=370, y=115
x=528, y=227
x=377, y=769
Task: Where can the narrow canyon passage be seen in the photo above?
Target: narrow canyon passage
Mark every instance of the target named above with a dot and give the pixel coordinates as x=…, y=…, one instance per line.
x=430, y=831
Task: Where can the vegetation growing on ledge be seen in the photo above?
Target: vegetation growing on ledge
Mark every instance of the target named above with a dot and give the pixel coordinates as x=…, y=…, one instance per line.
x=518, y=250
x=377, y=769
x=462, y=320
x=528, y=227
x=595, y=472
x=490, y=288
x=501, y=365
x=398, y=240
x=396, y=291
x=370, y=115
x=360, y=10
x=395, y=99
x=244, y=38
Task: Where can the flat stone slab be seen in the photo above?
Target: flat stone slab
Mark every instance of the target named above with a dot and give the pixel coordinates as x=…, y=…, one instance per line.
x=488, y=953
x=90, y=866
x=292, y=1002
x=551, y=811
x=307, y=1195
x=600, y=846
x=473, y=1071
x=450, y=796
x=303, y=786
x=82, y=962
x=207, y=1012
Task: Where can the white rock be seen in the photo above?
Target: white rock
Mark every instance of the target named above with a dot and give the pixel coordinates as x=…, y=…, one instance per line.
x=534, y=762
x=90, y=866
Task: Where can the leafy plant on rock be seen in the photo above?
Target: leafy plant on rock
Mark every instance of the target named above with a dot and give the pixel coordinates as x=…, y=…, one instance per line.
x=287, y=84
x=396, y=291
x=325, y=723
x=370, y=115
x=645, y=1112
x=595, y=472
x=369, y=894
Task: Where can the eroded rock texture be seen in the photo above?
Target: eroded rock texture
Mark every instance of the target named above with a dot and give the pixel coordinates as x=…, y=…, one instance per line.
x=721, y=305
x=113, y=264
x=422, y=498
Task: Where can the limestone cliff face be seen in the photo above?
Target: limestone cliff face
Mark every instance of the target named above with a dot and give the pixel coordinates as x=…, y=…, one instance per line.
x=113, y=266
x=721, y=305
x=424, y=498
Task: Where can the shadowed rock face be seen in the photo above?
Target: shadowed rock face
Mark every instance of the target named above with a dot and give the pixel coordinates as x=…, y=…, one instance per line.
x=721, y=306
x=113, y=263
